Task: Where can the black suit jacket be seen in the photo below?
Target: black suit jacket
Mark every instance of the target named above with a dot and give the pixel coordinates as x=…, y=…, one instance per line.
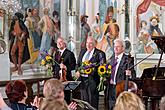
x=97, y=56
x=125, y=63
x=68, y=59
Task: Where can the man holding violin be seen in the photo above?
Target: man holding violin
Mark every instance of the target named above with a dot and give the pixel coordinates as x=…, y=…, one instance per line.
x=121, y=64
x=65, y=61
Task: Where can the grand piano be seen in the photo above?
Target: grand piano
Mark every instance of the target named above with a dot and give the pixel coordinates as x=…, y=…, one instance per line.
x=152, y=81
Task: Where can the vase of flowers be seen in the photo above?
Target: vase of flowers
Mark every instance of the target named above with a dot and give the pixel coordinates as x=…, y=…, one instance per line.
x=104, y=71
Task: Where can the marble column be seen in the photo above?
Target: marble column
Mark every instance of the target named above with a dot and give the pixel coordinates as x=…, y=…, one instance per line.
x=70, y=23
x=121, y=18
x=163, y=19
x=132, y=33
x=5, y=62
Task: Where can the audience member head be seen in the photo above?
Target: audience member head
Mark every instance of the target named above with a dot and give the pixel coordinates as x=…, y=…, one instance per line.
x=128, y=101
x=119, y=46
x=162, y=103
x=16, y=91
x=48, y=104
x=53, y=89
x=90, y=43
x=61, y=43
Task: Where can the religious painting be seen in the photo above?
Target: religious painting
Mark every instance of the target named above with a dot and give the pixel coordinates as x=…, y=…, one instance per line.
x=2, y=25
x=25, y=60
x=150, y=22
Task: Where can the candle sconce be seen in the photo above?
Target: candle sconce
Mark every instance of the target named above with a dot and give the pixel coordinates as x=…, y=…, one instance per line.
x=71, y=10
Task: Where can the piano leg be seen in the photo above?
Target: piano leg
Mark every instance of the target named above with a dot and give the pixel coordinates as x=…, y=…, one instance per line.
x=149, y=103
x=152, y=103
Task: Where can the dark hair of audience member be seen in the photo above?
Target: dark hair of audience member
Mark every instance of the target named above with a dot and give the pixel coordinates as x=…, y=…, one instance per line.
x=15, y=90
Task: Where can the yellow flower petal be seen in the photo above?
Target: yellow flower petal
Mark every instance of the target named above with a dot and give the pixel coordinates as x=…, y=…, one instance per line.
x=43, y=62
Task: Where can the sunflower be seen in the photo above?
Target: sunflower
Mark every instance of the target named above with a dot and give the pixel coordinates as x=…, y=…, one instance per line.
x=48, y=58
x=87, y=67
x=43, y=62
x=109, y=69
x=102, y=70
x=88, y=71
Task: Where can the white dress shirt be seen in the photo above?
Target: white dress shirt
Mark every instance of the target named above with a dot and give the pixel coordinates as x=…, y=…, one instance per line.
x=117, y=66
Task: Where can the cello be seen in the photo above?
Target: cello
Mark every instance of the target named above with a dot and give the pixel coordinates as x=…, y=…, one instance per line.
x=120, y=87
x=129, y=85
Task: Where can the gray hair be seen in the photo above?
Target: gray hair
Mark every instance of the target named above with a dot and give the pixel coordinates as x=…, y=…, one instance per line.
x=93, y=40
x=120, y=41
x=62, y=40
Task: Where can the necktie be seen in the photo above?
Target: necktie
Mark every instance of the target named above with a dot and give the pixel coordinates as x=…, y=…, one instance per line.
x=58, y=56
x=113, y=70
x=87, y=56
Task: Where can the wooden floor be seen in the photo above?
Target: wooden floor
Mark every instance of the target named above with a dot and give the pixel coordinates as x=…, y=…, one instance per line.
x=101, y=103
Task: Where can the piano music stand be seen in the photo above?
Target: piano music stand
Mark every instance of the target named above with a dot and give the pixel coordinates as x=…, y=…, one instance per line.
x=160, y=41
x=71, y=85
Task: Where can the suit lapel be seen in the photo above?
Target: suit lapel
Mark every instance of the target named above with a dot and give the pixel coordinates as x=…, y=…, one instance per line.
x=82, y=54
x=94, y=55
x=64, y=53
x=121, y=65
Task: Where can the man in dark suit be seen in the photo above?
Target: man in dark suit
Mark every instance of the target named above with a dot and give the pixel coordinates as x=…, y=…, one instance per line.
x=65, y=60
x=89, y=82
x=120, y=63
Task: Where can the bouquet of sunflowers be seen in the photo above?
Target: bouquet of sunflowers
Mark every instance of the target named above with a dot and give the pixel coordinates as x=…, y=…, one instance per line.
x=47, y=61
x=86, y=67
x=104, y=71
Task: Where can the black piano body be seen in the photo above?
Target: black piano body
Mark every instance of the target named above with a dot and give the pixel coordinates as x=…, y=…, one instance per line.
x=152, y=81
x=152, y=90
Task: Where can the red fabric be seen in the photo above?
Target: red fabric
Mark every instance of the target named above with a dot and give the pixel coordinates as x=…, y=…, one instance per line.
x=143, y=8
x=159, y=2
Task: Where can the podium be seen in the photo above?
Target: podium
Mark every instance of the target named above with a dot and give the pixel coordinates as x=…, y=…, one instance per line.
x=70, y=86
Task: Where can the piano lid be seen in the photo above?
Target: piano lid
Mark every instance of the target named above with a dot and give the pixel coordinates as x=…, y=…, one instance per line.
x=149, y=73
x=160, y=41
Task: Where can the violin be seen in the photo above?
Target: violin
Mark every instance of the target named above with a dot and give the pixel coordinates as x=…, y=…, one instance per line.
x=63, y=73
